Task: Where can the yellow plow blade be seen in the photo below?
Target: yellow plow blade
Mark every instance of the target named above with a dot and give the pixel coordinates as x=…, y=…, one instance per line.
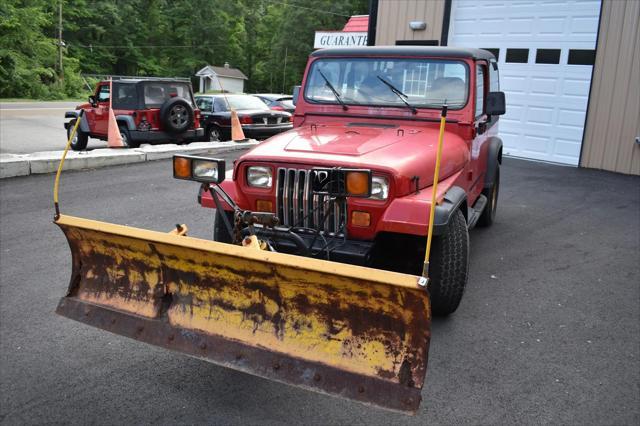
x=344, y=330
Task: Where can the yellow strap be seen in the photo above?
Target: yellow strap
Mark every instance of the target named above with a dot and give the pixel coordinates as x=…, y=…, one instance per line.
x=64, y=155
x=432, y=210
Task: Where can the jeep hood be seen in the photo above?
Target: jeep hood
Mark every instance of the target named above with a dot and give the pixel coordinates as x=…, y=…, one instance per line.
x=398, y=150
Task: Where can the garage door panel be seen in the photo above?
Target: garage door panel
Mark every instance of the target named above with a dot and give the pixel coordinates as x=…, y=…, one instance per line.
x=546, y=102
x=541, y=115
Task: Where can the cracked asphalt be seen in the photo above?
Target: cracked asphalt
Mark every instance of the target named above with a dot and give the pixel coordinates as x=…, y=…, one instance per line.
x=548, y=331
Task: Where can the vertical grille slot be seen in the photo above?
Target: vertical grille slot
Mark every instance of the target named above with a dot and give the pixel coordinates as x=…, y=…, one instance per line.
x=298, y=207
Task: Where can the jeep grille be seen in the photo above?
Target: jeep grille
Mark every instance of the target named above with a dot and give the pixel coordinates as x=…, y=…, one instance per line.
x=298, y=207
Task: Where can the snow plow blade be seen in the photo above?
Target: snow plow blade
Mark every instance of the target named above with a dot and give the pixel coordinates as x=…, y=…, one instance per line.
x=344, y=330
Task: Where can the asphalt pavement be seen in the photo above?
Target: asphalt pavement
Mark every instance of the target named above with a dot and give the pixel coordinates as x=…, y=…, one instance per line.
x=547, y=332
x=27, y=127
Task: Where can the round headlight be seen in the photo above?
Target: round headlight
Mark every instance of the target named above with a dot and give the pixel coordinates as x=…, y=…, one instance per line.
x=259, y=177
x=379, y=188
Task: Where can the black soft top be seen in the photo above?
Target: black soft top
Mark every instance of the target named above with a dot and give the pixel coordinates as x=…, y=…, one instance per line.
x=409, y=51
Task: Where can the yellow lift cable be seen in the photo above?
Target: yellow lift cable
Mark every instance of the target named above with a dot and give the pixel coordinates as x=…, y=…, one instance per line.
x=56, y=184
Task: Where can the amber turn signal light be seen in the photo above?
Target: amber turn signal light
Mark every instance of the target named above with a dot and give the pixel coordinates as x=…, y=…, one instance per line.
x=359, y=218
x=181, y=168
x=264, y=206
x=358, y=183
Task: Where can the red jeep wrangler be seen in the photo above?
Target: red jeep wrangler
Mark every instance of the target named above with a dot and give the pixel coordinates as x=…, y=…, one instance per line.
x=376, y=111
x=147, y=110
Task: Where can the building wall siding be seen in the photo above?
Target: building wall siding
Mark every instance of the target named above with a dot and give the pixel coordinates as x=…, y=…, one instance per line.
x=394, y=17
x=231, y=85
x=613, y=119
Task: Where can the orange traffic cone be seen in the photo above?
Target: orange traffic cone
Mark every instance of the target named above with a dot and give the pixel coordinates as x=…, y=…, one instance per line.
x=114, y=138
x=237, y=135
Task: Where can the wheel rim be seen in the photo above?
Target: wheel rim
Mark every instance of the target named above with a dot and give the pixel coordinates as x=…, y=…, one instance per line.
x=178, y=116
x=125, y=141
x=214, y=135
x=74, y=140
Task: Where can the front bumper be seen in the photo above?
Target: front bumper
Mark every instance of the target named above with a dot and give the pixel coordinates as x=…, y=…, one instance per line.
x=159, y=136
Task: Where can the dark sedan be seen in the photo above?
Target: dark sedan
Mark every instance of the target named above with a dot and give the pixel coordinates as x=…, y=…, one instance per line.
x=257, y=120
x=277, y=102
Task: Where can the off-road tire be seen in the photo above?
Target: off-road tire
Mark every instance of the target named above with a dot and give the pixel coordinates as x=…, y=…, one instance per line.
x=176, y=115
x=449, y=266
x=80, y=140
x=489, y=213
x=220, y=233
x=126, y=138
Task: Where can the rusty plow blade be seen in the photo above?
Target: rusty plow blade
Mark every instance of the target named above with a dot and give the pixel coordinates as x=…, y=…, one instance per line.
x=343, y=330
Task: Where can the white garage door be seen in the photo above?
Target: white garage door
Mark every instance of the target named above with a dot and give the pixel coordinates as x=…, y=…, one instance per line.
x=545, y=52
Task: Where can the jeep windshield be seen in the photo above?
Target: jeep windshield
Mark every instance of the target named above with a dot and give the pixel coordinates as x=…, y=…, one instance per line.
x=423, y=83
x=156, y=93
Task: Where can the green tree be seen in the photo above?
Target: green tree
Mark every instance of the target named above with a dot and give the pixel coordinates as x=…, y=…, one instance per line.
x=162, y=38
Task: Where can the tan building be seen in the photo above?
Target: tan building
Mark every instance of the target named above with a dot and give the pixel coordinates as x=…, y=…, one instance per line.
x=570, y=69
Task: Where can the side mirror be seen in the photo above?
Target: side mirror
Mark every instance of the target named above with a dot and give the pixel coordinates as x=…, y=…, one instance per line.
x=92, y=100
x=296, y=93
x=495, y=104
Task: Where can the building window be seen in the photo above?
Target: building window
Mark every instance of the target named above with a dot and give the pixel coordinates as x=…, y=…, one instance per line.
x=517, y=56
x=495, y=51
x=548, y=56
x=479, y=90
x=581, y=57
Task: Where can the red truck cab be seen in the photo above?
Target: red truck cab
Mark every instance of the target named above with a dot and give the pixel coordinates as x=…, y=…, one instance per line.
x=378, y=109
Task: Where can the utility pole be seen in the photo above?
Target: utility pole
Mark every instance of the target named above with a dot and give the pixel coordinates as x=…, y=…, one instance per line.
x=284, y=69
x=60, y=69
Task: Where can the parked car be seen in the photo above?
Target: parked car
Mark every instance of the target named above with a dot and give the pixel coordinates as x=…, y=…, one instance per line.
x=146, y=109
x=257, y=120
x=277, y=102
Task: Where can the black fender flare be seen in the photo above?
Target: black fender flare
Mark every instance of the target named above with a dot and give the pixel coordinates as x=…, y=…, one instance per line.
x=84, y=124
x=455, y=198
x=494, y=158
x=127, y=120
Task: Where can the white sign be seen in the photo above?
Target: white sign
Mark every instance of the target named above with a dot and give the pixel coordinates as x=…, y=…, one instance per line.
x=339, y=39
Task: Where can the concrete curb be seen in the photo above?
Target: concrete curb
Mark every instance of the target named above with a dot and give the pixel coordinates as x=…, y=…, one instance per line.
x=47, y=162
x=13, y=165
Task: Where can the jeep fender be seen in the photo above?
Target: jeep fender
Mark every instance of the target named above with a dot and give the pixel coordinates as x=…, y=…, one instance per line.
x=229, y=186
x=410, y=214
x=494, y=157
x=84, y=124
x=127, y=120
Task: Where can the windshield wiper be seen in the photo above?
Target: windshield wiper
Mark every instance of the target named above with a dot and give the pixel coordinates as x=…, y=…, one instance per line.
x=399, y=94
x=335, y=92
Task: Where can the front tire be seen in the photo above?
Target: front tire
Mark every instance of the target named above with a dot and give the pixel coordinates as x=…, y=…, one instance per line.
x=489, y=214
x=220, y=232
x=80, y=139
x=449, y=266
